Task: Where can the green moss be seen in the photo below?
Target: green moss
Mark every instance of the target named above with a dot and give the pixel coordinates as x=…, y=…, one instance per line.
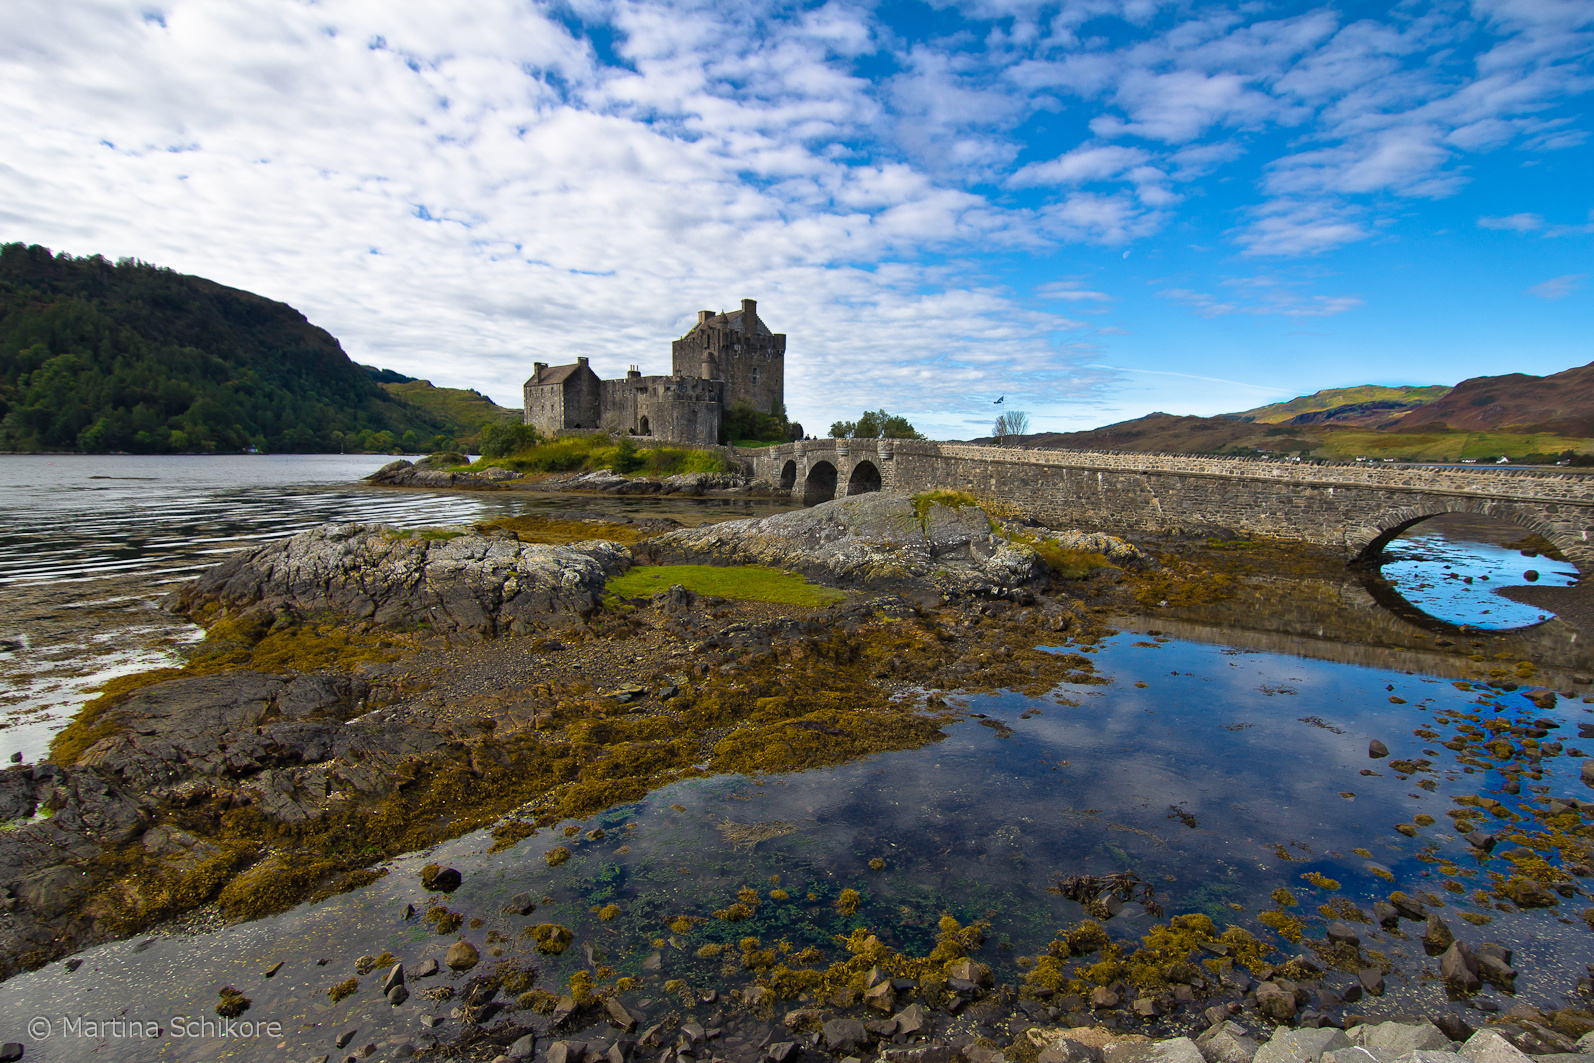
x=925, y=500
x=506, y=835
x=92, y=722
x=346, y=988
x=534, y=529
x=748, y=583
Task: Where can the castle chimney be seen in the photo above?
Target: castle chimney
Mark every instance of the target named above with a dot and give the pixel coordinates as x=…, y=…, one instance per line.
x=581, y=361
x=704, y=315
x=538, y=369
x=749, y=311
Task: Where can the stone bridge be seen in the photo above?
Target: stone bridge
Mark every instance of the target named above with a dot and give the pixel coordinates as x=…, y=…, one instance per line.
x=1356, y=508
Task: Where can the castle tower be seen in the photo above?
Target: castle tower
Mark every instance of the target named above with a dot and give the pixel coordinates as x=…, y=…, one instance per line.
x=738, y=348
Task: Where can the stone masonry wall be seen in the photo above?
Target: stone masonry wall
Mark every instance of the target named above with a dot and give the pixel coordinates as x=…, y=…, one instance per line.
x=1351, y=507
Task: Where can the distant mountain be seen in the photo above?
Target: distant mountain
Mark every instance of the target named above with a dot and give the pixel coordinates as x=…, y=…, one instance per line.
x=98, y=357
x=1561, y=402
x=1402, y=397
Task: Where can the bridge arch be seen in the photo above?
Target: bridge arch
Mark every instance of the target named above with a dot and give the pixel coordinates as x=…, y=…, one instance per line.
x=820, y=484
x=788, y=475
x=864, y=479
x=1368, y=541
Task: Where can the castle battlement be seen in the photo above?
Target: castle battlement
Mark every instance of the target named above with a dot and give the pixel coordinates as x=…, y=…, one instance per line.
x=725, y=359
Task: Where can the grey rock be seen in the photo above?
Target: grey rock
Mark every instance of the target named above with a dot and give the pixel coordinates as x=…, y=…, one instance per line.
x=521, y=904
x=1372, y=980
x=1459, y=968
x=395, y=977
x=1174, y=1050
x=1386, y=914
x=1342, y=934
x=462, y=956
x=1275, y=1003
x=523, y=1048
x=618, y=1015
x=1489, y=1046
x=874, y=539
x=1357, y=1054
x=397, y=995
x=10, y=1052
x=567, y=1052
x=1067, y=1050
x=1436, y=937
x=345, y=1038
x=1429, y=1055
x=1482, y=841
x=1228, y=1042
x=913, y=1019
x=1397, y=1039
x=470, y=583
x=425, y=969
x=973, y=1054
x=1377, y=750
x=918, y=1054
x=1301, y=1046
x=844, y=1035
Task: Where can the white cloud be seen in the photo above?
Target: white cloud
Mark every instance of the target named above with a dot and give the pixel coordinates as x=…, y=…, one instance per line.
x=1558, y=287
x=1083, y=164
x=1263, y=297
x=457, y=191
x=1518, y=223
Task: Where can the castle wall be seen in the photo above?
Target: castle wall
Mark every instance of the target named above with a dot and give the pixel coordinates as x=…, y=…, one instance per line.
x=663, y=408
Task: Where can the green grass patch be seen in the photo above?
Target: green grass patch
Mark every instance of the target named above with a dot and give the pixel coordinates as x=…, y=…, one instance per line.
x=747, y=583
x=753, y=444
x=624, y=455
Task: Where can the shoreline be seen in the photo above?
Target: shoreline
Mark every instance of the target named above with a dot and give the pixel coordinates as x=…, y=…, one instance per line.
x=629, y=658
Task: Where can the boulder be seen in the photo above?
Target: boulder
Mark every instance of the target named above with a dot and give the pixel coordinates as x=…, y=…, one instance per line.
x=1275, y=1003
x=462, y=956
x=1228, y=1042
x=1067, y=1050
x=469, y=583
x=1397, y=1039
x=1301, y=1046
x=845, y=1035
x=1490, y=1046
x=523, y=1048
x=876, y=540
x=1459, y=968
x=1174, y=1050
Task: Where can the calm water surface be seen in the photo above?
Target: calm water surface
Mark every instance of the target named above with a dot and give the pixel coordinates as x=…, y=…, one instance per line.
x=1216, y=774
x=1228, y=775
x=89, y=544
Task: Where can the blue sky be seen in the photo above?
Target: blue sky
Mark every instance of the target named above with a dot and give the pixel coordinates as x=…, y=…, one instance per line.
x=1096, y=208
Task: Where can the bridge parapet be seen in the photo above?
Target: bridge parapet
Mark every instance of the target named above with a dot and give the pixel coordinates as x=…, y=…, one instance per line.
x=1355, y=507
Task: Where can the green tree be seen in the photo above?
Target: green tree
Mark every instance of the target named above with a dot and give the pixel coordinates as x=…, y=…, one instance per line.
x=875, y=424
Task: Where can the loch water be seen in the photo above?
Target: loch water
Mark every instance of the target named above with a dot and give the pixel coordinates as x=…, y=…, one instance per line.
x=1216, y=764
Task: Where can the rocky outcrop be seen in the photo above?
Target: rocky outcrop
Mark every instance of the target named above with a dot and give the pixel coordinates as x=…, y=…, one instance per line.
x=293, y=747
x=471, y=583
x=402, y=473
x=687, y=484
x=874, y=540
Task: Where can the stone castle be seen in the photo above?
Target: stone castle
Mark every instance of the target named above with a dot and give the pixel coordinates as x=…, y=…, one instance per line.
x=724, y=360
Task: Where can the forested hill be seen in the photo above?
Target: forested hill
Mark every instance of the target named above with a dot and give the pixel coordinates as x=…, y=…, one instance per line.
x=98, y=357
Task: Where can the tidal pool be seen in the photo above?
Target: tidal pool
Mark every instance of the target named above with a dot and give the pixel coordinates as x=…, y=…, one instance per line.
x=1451, y=567
x=1214, y=774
